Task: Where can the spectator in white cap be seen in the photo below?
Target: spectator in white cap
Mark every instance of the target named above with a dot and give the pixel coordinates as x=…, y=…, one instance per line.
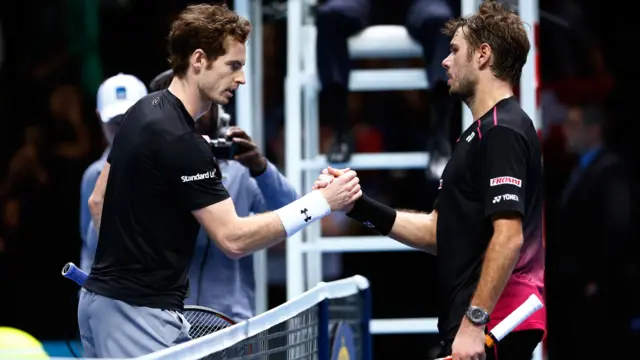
x=115, y=96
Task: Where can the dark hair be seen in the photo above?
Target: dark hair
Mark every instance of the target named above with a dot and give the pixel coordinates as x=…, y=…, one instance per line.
x=502, y=29
x=205, y=27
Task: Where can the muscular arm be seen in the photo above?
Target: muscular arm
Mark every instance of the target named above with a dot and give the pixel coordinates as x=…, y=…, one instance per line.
x=415, y=229
x=97, y=197
x=196, y=180
x=499, y=260
x=505, y=155
x=239, y=236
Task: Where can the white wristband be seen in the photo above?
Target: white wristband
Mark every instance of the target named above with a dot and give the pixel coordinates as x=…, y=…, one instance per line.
x=302, y=212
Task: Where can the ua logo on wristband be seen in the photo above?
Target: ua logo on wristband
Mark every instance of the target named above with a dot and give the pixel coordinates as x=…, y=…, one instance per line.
x=306, y=216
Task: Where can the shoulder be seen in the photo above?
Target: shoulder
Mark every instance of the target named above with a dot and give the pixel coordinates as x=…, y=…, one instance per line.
x=154, y=109
x=188, y=142
x=508, y=114
x=152, y=103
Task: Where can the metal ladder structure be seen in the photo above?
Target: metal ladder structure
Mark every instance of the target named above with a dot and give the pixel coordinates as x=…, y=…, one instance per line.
x=303, y=161
x=249, y=117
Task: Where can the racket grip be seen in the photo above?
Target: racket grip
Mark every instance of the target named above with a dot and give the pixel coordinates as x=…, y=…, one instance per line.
x=488, y=340
x=71, y=271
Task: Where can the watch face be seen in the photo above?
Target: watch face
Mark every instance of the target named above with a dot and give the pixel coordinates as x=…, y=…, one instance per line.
x=477, y=314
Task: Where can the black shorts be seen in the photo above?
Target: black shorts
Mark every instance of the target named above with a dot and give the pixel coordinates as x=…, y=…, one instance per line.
x=515, y=346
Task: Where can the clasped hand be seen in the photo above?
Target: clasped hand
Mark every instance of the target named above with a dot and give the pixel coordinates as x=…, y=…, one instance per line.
x=341, y=188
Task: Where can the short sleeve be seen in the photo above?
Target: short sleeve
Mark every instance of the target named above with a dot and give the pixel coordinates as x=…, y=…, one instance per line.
x=192, y=171
x=504, y=170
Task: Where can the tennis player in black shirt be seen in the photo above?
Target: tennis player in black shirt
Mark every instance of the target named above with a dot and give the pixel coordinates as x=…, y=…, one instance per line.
x=487, y=218
x=161, y=183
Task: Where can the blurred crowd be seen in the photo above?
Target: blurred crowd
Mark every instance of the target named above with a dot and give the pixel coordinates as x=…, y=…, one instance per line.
x=50, y=134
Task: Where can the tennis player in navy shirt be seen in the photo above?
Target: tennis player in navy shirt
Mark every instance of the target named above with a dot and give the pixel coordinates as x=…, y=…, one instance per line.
x=160, y=184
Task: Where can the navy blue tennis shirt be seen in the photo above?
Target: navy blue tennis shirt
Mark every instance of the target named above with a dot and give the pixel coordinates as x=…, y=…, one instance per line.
x=216, y=281
x=160, y=171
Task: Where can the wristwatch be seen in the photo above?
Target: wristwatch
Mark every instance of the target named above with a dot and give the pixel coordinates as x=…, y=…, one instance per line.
x=477, y=315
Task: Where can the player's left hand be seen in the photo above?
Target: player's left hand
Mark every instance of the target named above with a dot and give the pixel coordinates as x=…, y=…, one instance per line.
x=248, y=153
x=469, y=342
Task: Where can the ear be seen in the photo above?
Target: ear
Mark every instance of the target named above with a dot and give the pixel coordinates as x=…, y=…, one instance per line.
x=198, y=59
x=483, y=55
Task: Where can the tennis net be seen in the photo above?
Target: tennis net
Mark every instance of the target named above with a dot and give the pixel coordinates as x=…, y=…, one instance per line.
x=327, y=322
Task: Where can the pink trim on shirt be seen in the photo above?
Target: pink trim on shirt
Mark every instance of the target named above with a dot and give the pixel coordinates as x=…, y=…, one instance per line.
x=517, y=291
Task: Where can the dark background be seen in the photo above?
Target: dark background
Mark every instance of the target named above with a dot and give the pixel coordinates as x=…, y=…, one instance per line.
x=57, y=52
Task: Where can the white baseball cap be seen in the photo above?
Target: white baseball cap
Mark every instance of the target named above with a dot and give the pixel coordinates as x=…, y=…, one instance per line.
x=117, y=94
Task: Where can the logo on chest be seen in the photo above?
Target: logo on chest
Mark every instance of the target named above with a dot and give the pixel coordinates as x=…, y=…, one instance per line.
x=505, y=180
x=470, y=137
x=206, y=175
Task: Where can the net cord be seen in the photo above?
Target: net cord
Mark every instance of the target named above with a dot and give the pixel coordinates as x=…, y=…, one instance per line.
x=232, y=335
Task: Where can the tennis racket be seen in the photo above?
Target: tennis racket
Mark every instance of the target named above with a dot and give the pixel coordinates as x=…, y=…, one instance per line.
x=203, y=320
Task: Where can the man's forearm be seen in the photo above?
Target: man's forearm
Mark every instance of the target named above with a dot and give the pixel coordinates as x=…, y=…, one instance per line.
x=240, y=236
x=95, y=208
x=499, y=260
x=417, y=230
x=411, y=228
x=256, y=232
x=96, y=200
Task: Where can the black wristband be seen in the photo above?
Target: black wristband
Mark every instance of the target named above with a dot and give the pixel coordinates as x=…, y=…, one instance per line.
x=373, y=214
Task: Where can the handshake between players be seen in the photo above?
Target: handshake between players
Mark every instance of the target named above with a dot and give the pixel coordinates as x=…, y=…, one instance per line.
x=341, y=188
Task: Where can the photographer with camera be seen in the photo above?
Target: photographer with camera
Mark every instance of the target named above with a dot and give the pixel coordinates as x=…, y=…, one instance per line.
x=255, y=186
x=160, y=184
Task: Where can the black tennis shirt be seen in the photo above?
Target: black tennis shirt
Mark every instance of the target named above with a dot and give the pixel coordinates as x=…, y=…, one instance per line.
x=496, y=167
x=161, y=170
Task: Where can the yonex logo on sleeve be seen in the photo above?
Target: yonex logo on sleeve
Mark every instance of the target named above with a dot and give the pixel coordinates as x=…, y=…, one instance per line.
x=505, y=180
x=207, y=175
x=505, y=197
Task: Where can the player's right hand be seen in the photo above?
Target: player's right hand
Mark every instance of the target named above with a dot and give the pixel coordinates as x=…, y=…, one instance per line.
x=326, y=177
x=343, y=191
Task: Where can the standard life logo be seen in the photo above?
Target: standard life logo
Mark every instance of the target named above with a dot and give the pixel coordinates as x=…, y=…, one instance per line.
x=207, y=175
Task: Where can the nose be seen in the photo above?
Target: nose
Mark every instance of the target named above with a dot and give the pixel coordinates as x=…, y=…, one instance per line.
x=446, y=63
x=241, y=79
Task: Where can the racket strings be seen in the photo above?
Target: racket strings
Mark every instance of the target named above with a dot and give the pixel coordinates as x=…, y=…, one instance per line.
x=204, y=322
